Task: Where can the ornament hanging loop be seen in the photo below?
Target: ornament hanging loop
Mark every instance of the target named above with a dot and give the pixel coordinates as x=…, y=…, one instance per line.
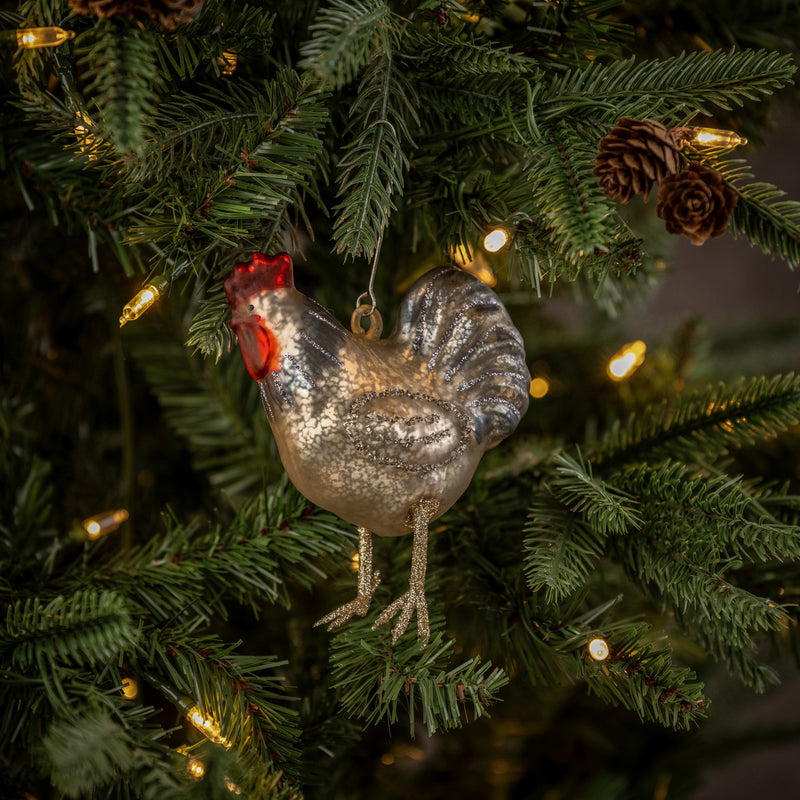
x=374, y=321
x=375, y=326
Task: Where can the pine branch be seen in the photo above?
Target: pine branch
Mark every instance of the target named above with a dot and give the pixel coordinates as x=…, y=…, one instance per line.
x=717, y=514
x=603, y=506
x=571, y=204
x=87, y=628
x=375, y=678
x=344, y=35
x=761, y=217
x=372, y=165
x=192, y=573
x=122, y=77
x=560, y=551
x=210, y=333
x=85, y=754
x=690, y=83
x=704, y=425
x=216, y=411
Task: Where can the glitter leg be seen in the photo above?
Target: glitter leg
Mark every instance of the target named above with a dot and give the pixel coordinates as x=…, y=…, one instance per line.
x=414, y=599
x=367, y=583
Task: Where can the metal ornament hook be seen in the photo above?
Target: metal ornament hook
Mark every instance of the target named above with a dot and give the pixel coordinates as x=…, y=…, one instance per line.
x=371, y=311
x=374, y=321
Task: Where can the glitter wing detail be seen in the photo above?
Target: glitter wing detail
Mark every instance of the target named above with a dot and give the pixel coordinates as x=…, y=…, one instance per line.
x=459, y=331
x=413, y=432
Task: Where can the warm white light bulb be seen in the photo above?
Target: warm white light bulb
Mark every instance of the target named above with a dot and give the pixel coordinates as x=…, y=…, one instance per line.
x=495, y=240
x=598, y=649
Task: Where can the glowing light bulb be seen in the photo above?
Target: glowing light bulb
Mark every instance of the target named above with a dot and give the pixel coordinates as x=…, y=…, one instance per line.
x=104, y=522
x=228, y=61
x=33, y=38
x=598, y=649
x=354, y=559
x=539, y=387
x=712, y=137
x=626, y=360
x=140, y=302
x=495, y=240
x=207, y=726
x=196, y=768
x=130, y=688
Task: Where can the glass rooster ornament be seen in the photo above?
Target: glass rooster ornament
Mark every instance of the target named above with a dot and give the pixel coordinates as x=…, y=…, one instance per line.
x=385, y=433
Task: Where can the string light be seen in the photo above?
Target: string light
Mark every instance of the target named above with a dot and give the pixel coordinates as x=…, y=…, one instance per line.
x=34, y=38
x=130, y=688
x=104, y=522
x=231, y=786
x=598, y=649
x=207, y=726
x=228, y=61
x=712, y=137
x=495, y=240
x=626, y=360
x=539, y=387
x=141, y=301
x=87, y=141
x=354, y=559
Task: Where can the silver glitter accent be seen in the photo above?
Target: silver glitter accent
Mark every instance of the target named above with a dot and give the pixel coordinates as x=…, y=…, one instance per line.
x=449, y=332
x=476, y=346
x=485, y=401
x=374, y=416
x=423, y=315
x=413, y=600
x=299, y=369
x=368, y=448
x=305, y=337
x=470, y=383
x=323, y=318
x=281, y=391
x=367, y=583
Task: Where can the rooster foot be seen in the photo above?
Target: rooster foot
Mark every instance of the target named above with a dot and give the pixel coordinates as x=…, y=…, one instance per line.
x=409, y=602
x=367, y=583
x=355, y=608
x=413, y=600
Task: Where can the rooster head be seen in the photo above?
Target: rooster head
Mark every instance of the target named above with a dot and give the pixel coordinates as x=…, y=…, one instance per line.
x=250, y=278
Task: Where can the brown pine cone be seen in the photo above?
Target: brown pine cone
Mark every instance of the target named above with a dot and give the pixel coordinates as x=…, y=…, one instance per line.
x=696, y=202
x=633, y=156
x=167, y=13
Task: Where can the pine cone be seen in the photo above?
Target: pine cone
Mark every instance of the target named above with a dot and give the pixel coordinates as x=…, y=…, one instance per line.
x=696, y=202
x=633, y=156
x=167, y=13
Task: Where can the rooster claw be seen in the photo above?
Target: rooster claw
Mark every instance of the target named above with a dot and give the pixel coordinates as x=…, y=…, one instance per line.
x=357, y=607
x=409, y=602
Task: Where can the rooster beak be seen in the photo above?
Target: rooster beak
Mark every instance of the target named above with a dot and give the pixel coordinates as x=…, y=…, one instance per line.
x=257, y=343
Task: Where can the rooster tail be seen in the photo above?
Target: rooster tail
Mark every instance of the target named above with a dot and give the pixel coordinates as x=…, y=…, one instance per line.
x=458, y=329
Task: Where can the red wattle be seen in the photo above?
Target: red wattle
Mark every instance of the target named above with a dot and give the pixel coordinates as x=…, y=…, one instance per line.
x=259, y=347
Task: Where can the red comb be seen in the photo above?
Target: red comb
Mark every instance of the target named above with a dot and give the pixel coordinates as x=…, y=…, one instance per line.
x=260, y=273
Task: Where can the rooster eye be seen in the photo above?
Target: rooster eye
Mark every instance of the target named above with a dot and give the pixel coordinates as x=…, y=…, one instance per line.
x=251, y=307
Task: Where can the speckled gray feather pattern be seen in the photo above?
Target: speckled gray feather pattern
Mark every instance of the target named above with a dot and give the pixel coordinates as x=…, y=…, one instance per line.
x=368, y=428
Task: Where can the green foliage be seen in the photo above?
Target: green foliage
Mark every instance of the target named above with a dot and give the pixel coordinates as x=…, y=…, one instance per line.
x=684, y=85
x=375, y=679
x=427, y=123
x=712, y=422
x=344, y=36
x=87, y=628
x=123, y=77
x=372, y=164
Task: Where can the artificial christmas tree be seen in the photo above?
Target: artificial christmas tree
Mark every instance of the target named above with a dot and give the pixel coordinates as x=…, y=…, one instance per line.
x=636, y=535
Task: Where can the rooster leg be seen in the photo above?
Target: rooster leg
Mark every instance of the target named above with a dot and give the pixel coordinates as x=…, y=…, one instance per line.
x=414, y=599
x=367, y=583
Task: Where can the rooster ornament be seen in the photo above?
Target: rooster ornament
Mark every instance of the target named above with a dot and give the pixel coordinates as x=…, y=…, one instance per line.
x=385, y=433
